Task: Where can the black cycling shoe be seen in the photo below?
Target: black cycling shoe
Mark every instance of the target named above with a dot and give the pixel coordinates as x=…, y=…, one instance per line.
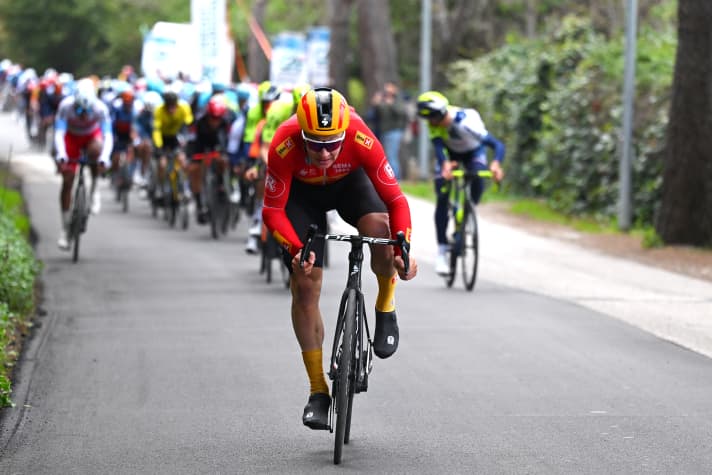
x=203, y=216
x=316, y=412
x=385, y=341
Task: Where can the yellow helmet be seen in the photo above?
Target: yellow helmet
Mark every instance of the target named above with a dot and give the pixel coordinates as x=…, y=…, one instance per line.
x=299, y=90
x=323, y=111
x=432, y=105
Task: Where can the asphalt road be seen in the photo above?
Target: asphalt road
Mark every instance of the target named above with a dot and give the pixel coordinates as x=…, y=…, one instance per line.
x=163, y=351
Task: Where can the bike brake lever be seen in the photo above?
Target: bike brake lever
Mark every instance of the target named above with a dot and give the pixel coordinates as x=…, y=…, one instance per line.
x=405, y=249
x=311, y=232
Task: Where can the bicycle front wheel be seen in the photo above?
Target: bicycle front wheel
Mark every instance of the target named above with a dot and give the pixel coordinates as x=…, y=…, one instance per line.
x=470, y=248
x=78, y=225
x=342, y=391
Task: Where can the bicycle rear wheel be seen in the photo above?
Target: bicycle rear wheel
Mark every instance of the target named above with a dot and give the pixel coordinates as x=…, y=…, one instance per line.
x=343, y=390
x=470, y=247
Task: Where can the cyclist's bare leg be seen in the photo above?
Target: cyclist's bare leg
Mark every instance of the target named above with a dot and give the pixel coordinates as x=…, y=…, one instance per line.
x=195, y=177
x=143, y=151
x=306, y=316
x=376, y=225
x=93, y=150
x=162, y=166
x=65, y=194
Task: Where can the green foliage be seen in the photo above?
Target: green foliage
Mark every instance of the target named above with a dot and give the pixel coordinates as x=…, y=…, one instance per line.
x=556, y=102
x=18, y=270
x=82, y=36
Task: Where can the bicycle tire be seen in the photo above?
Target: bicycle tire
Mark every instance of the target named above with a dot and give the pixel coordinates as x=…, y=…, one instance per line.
x=184, y=214
x=78, y=217
x=125, y=200
x=344, y=380
x=267, y=263
x=173, y=212
x=469, y=249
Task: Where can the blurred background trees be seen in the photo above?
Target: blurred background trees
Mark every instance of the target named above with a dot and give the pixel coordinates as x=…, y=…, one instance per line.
x=546, y=76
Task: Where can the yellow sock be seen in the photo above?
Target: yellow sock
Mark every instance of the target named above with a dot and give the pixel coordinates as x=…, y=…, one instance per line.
x=386, y=300
x=315, y=370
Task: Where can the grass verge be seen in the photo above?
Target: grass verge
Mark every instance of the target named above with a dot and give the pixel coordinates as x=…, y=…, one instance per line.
x=18, y=272
x=538, y=210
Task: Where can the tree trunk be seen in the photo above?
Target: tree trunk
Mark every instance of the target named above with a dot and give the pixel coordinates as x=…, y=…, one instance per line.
x=377, y=49
x=686, y=206
x=257, y=64
x=531, y=21
x=339, y=49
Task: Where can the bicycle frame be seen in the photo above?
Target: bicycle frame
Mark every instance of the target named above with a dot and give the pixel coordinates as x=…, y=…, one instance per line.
x=79, y=207
x=462, y=211
x=358, y=361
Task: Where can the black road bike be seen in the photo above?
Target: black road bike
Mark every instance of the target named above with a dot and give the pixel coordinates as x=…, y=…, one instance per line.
x=462, y=228
x=351, y=354
x=79, y=211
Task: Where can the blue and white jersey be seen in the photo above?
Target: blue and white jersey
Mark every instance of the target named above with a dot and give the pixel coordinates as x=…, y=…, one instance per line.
x=464, y=139
x=68, y=120
x=466, y=132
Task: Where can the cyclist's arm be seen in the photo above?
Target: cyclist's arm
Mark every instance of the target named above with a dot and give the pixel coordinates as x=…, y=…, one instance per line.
x=187, y=114
x=237, y=130
x=158, y=127
x=108, y=143
x=440, y=150
x=379, y=172
x=497, y=146
x=277, y=184
x=60, y=130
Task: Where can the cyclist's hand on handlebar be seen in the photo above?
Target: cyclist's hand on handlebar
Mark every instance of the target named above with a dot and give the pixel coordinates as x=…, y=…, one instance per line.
x=497, y=172
x=446, y=169
x=252, y=173
x=308, y=263
x=400, y=267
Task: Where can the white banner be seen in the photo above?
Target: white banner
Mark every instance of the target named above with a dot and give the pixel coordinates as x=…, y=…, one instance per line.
x=209, y=17
x=288, y=65
x=318, y=43
x=169, y=49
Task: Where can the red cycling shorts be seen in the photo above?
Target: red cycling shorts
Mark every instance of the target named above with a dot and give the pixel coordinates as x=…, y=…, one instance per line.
x=75, y=144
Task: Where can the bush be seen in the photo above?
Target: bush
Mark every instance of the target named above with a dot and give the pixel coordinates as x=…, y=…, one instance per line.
x=556, y=103
x=18, y=270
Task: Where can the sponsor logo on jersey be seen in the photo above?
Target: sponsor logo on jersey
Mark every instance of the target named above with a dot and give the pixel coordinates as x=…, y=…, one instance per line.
x=285, y=147
x=274, y=187
x=340, y=168
x=385, y=173
x=364, y=140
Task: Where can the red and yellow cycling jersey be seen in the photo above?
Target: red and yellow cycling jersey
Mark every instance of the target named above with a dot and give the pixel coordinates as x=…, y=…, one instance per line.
x=288, y=160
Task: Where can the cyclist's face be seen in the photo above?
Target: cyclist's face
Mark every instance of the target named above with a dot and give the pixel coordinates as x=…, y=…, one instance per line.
x=322, y=152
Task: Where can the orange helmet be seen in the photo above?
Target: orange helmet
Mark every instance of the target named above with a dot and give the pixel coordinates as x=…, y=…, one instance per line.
x=323, y=111
x=127, y=95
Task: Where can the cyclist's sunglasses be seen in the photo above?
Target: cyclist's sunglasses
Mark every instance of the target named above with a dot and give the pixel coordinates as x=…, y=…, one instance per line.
x=318, y=145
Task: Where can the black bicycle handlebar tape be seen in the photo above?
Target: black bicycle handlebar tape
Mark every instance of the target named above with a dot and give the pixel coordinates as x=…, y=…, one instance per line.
x=405, y=249
x=311, y=232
